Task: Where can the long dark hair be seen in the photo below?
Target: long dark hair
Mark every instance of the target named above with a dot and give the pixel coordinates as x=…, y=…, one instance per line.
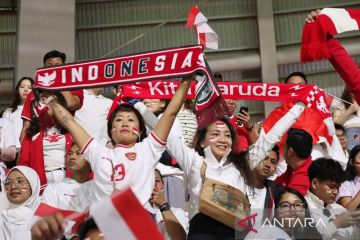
x=307, y=232
x=350, y=172
x=17, y=99
x=239, y=159
x=127, y=108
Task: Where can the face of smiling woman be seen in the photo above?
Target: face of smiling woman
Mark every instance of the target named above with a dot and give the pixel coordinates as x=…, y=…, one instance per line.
x=17, y=187
x=218, y=137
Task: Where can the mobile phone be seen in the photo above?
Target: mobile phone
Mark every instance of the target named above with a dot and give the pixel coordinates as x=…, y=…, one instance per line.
x=242, y=110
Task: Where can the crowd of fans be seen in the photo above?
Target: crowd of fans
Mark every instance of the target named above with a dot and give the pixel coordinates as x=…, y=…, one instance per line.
x=69, y=156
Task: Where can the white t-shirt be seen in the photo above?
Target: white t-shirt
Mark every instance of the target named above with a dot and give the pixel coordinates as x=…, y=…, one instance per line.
x=180, y=216
x=133, y=166
x=325, y=226
x=7, y=134
x=15, y=118
x=92, y=116
x=68, y=195
x=11, y=231
x=54, y=144
x=349, y=188
x=257, y=198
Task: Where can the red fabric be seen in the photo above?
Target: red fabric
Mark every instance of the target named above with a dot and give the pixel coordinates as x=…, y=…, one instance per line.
x=194, y=11
x=297, y=179
x=27, y=113
x=309, y=120
x=345, y=66
x=32, y=154
x=131, y=211
x=167, y=63
x=241, y=132
x=159, y=89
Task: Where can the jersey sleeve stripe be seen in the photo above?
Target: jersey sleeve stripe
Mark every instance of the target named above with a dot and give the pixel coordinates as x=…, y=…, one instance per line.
x=157, y=139
x=86, y=145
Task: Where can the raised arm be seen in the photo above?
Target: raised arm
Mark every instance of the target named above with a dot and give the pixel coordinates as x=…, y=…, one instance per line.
x=65, y=118
x=267, y=141
x=166, y=121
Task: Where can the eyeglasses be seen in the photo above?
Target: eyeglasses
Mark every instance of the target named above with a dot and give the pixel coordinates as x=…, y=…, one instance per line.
x=286, y=206
x=19, y=182
x=341, y=135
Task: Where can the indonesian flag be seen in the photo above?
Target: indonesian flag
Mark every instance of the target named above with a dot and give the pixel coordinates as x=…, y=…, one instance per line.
x=121, y=216
x=72, y=218
x=319, y=127
x=207, y=37
x=331, y=21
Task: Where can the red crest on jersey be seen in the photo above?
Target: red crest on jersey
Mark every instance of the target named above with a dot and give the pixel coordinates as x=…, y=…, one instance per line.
x=130, y=155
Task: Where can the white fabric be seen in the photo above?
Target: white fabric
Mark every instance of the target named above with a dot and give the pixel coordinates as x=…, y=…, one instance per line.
x=329, y=231
x=92, y=116
x=137, y=172
x=7, y=134
x=180, y=216
x=267, y=232
x=15, y=219
x=169, y=171
x=54, y=144
x=349, y=188
x=190, y=161
x=353, y=120
x=189, y=125
x=55, y=176
x=262, y=147
x=341, y=19
x=15, y=118
x=68, y=195
x=257, y=199
x=110, y=221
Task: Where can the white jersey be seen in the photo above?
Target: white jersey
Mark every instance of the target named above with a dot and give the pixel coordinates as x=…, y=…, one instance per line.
x=133, y=166
x=92, y=116
x=68, y=195
x=15, y=118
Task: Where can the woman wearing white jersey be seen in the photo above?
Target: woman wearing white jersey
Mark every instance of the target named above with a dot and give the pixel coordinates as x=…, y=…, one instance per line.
x=22, y=187
x=132, y=161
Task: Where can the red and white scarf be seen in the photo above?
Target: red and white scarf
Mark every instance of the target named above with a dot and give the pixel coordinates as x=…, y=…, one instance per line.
x=161, y=64
x=330, y=22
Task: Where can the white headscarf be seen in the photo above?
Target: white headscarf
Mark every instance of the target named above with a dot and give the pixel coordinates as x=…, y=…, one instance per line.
x=22, y=213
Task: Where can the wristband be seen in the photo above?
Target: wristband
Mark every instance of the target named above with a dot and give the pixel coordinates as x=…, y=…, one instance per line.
x=164, y=207
x=50, y=98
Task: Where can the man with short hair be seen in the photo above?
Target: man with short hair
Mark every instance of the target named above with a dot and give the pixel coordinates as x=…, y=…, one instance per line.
x=297, y=154
x=73, y=99
x=172, y=222
x=341, y=135
x=332, y=220
x=262, y=196
x=296, y=78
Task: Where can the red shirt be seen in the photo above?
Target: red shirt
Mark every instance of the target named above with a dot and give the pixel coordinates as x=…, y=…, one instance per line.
x=241, y=132
x=297, y=179
x=27, y=112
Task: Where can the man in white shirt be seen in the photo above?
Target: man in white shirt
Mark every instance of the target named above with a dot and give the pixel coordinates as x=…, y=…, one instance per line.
x=92, y=115
x=172, y=222
x=333, y=220
x=73, y=193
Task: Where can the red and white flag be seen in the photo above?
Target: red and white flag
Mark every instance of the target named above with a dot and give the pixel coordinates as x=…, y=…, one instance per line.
x=206, y=35
x=121, y=216
x=72, y=219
